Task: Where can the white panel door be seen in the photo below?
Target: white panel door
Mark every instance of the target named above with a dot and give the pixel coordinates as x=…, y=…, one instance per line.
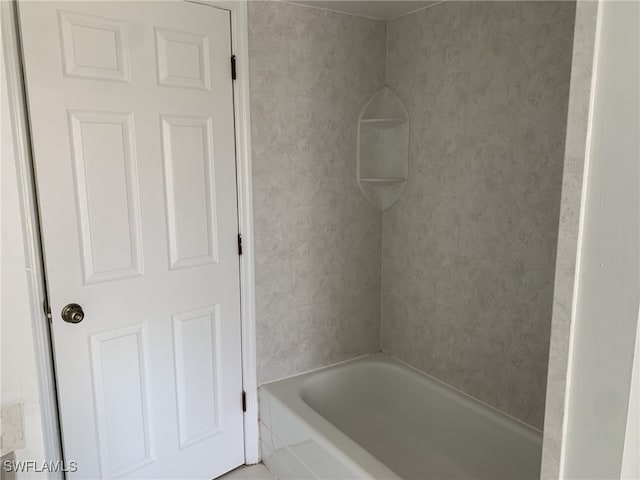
x=132, y=120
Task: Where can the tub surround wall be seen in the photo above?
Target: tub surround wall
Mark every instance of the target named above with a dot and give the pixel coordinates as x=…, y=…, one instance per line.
x=317, y=239
x=468, y=251
x=469, y=248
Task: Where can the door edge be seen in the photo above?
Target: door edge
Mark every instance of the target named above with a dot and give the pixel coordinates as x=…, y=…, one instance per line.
x=241, y=105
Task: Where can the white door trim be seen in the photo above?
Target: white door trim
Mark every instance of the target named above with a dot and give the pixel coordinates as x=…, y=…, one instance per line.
x=29, y=213
x=31, y=235
x=240, y=48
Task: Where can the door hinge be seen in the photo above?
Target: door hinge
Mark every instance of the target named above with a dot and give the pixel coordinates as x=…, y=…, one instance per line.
x=244, y=401
x=239, y=244
x=233, y=68
x=47, y=310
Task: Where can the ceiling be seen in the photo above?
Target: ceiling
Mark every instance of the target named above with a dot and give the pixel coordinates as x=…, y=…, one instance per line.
x=381, y=9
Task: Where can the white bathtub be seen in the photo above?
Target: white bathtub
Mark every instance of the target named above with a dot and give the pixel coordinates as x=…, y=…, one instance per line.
x=375, y=417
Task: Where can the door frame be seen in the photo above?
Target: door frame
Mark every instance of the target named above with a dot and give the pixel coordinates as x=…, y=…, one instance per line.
x=33, y=241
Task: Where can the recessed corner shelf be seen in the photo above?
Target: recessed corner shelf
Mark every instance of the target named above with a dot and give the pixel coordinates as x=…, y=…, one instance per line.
x=383, y=149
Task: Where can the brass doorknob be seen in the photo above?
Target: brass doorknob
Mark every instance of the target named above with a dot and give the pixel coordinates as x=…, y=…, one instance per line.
x=72, y=313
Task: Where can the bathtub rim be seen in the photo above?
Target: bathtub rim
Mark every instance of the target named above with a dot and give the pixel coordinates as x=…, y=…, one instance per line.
x=386, y=356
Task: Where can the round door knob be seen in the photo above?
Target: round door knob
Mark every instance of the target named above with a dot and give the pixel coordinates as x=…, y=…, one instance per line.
x=72, y=313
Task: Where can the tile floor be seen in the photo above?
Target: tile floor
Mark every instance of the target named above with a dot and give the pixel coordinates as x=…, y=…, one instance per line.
x=250, y=472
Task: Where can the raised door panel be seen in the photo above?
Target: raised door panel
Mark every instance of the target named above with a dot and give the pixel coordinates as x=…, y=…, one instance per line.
x=190, y=192
x=93, y=46
x=197, y=365
x=107, y=194
x=183, y=59
x=121, y=395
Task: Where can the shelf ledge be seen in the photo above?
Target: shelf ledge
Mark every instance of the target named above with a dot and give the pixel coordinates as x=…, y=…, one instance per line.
x=384, y=180
x=383, y=122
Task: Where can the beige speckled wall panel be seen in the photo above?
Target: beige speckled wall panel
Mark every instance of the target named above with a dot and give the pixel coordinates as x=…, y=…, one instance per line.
x=469, y=248
x=317, y=239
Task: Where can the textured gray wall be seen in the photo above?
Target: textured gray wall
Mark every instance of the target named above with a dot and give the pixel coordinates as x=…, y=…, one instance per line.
x=469, y=248
x=317, y=238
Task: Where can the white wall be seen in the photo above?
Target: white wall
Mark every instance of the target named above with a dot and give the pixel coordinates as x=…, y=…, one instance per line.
x=19, y=380
x=573, y=178
x=609, y=278
x=631, y=454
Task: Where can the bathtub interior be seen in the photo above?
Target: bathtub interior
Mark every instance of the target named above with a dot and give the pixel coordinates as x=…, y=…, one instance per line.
x=420, y=427
x=407, y=422
x=297, y=443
